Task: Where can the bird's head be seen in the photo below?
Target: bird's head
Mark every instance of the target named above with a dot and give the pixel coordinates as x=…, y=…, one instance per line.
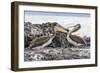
x=58, y=28
x=74, y=28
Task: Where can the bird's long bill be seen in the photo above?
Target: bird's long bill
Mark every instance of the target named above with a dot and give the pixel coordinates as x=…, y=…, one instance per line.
x=60, y=29
x=70, y=27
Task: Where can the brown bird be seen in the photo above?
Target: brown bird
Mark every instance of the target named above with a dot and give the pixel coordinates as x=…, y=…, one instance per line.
x=74, y=39
x=44, y=41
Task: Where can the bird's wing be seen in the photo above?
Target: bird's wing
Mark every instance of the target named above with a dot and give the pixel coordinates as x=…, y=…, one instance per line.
x=39, y=41
x=77, y=39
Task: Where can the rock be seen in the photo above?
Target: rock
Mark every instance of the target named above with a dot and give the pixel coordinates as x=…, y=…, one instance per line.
x=56, y=54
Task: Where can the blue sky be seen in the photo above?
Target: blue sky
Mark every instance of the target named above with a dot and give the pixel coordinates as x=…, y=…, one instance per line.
x=56, y=13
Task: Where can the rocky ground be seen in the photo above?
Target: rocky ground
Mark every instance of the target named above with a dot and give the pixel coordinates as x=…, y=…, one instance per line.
x=44, y=54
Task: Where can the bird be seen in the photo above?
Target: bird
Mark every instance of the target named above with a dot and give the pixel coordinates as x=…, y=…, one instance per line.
x=75, y=40
x=43, y=41
x=40, y=42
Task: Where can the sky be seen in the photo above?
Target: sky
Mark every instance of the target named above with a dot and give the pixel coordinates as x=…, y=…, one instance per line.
x=66, y=19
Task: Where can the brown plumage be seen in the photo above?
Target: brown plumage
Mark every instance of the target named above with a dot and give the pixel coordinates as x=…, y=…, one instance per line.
x=74, y=39
x=46, y=40
x=39, y=41
x=77, y=39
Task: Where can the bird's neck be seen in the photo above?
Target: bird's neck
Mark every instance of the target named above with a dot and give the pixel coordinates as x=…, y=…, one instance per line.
x=70, y=32
x=74, y=30
x=53, y=36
